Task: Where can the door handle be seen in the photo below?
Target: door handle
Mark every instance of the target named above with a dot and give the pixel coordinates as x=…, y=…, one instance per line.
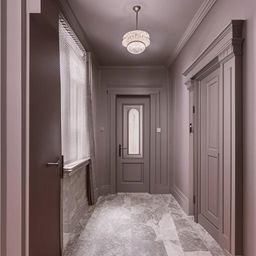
x=59, y=163
x=120, y=150
x=56, y=164
x=190, y=128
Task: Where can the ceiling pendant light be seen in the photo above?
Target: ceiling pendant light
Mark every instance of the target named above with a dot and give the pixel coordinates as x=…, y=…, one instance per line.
x=136, y=41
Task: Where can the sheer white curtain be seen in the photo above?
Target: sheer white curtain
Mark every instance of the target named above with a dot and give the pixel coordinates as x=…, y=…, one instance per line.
x=74, y=97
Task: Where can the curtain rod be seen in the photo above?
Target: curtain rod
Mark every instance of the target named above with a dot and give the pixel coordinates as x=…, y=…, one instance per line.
x=70, y=31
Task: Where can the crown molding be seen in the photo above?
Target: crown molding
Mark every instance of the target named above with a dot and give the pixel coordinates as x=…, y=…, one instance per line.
x=228, y=43
x=161, y=67
x=192, y=27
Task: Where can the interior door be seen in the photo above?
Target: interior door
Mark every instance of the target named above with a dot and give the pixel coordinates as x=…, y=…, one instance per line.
x=133, y=144
x=209, y=212
x=45, y=134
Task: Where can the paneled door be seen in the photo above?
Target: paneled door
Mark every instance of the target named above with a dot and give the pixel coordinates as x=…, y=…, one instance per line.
x=133, y=127
x=209, y=183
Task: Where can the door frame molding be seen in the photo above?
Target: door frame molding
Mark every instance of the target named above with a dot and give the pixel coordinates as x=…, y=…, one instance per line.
x=13, y=141
x=225, y=52
x=154, y=95
x=3, y=128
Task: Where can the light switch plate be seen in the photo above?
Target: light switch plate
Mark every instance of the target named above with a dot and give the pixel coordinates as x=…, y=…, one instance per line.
x=158, y=130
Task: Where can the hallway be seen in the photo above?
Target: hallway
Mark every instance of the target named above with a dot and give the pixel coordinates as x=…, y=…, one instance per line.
x=128, y=128
x=141, y=224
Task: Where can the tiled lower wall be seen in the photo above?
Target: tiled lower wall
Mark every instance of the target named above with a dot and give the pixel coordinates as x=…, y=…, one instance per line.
x=74, y=203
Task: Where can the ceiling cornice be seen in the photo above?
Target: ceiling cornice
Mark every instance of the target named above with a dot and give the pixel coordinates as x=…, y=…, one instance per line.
x=132, y=67
x=192, y=27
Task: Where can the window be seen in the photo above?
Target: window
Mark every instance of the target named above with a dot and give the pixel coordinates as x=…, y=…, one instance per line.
x=74, y=97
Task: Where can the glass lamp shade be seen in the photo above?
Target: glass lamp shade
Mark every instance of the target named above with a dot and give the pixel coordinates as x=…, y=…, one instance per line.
x=136, y=47
x=136, y=41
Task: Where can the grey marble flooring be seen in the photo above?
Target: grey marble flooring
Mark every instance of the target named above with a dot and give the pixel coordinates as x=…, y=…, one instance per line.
x=141, y=225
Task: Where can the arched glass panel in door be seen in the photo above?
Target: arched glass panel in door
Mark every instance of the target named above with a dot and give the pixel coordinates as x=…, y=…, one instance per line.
x=133, y=131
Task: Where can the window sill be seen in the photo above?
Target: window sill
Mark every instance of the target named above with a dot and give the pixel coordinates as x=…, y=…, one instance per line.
x=72, y=168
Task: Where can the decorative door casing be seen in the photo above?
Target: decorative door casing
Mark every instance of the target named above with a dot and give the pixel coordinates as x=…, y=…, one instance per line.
x=225, y=54
x=155, y=136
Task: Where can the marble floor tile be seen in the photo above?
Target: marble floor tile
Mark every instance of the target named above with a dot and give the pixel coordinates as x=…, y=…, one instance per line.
x=190, y=241
x=132, y=224
x=198, y=253
x=173, y=248
x=146, y=248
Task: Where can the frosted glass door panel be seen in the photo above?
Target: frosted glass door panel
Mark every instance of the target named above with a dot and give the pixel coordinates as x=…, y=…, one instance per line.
x=133, y=130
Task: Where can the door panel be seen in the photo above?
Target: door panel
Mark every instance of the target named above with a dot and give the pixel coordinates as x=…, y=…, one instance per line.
x=45, y=134
x=132, y=172
x=209, y=214
x=133, y=144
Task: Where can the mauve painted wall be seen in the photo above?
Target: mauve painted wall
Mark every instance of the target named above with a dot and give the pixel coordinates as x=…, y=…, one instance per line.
x=221, y=14
x=121, y=77
x=13, y=127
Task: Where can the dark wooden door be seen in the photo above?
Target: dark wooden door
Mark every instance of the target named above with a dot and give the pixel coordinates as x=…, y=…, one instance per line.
x=45, y=133
x=209, y=212
x=133, y=144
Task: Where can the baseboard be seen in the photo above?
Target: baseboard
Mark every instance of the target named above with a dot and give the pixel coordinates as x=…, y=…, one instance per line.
x=104, y=190
x=96, y=195
x=181, y=199
x=229, y=254
x=158, y=189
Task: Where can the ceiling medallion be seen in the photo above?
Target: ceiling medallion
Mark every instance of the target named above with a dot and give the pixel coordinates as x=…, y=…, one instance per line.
x=136, y=41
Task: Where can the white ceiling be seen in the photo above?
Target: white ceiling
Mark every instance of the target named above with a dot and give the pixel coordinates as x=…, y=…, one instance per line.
x=106, y=21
